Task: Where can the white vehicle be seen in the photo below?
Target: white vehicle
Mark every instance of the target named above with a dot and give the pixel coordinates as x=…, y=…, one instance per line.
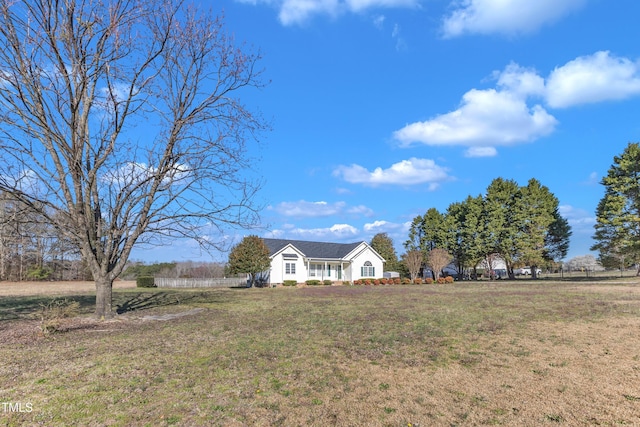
x=526, y=271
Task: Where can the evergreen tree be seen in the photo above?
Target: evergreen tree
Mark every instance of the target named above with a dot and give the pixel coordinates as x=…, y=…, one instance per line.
x=501, y=221
x=383, y=244
x=617, y=229
x=535, y=215
x=250, y=256
x=557, y=240
x=465, y=229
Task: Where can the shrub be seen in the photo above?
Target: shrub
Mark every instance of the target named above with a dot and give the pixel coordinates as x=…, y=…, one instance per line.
x=417, y=281
x=448, y=279
x=406, y=281
x=357, y=282
x=367, y=281
x=52, y=313
x=347, y=283
x=145, y=282
x=289, y=283
x=327, y=282
x=428, y=280
x=39, y=273
x=441, y=280
x=313, y=282
x=397, y=281
x=376, y=282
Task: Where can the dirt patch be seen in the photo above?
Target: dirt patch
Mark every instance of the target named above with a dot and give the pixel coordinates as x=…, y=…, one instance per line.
x=55, y=288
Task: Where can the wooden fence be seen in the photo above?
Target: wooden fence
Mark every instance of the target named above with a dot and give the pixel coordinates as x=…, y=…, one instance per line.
x=163, y=282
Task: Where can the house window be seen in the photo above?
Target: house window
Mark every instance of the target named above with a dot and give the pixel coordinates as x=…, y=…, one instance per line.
x=368, y=270
x=290, y=268
x=315, y=270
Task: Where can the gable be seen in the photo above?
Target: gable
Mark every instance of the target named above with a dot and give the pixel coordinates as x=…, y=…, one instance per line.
x=364, y=248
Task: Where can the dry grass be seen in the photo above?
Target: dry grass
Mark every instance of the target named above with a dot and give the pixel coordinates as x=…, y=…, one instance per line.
x=510, y=353
x=55, y=288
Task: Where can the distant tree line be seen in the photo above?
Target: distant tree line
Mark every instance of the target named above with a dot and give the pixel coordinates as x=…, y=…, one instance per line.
x=184, y=269
x=32, y=249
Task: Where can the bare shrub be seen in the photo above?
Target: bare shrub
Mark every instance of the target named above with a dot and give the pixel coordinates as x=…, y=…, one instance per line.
x=54, y=312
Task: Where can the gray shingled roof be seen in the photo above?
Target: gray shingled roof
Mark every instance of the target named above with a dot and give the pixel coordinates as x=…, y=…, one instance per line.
x=313, y=249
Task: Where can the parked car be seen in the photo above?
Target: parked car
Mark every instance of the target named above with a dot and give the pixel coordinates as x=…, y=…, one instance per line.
x=525, y=271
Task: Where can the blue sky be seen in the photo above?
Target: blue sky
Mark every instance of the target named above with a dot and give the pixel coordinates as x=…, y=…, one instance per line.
x=382, y=109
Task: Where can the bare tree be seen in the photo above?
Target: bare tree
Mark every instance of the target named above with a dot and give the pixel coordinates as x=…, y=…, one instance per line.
x=413, y=260
x=120, y=124
x=438, y=259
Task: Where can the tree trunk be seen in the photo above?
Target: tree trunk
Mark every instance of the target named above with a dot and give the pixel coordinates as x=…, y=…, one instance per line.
x=104, y=291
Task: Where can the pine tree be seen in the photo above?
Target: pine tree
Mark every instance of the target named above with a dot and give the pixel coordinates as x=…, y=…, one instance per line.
x=617, y=229
x=383, y=244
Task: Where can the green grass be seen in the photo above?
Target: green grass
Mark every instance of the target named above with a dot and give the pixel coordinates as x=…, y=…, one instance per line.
x=282, y=356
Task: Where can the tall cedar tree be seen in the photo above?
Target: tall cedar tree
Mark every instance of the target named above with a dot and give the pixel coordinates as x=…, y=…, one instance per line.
x=383, y=244
x=250, y=256
x=536, y=209
x=617, y=228
x=466, y=230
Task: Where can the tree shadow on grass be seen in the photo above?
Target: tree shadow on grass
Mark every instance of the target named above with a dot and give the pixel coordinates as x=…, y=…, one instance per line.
x=144, y=301
x=25, y=308
x=29, y=307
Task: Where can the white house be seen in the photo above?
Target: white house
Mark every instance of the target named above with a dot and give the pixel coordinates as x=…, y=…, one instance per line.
x=301, y=261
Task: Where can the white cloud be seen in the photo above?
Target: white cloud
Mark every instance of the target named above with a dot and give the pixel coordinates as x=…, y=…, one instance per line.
x=343, y=190
x=136, y=174
x=382, y=226
x=24, y=180
x=374, y=226
x=505, y=16
x=297, y=12
x=509, y=113
x=594, y=78
x=337, y=232
x=485, y=118
x=520, y=81
x=592, y=180
x=580, y=220
x=360, y=210
x=378, y=21
x=407, y=172
x=481, y=152
x=401, y=45
x=304, y=209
